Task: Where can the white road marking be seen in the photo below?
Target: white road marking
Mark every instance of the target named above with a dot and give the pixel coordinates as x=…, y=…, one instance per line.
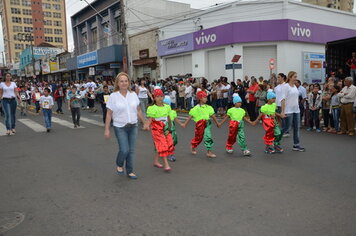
x=2, y=130
x=64, y=123
x=33, y=125
x=94, y=122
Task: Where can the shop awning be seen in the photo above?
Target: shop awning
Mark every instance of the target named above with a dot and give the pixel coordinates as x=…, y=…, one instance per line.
x=145, y=61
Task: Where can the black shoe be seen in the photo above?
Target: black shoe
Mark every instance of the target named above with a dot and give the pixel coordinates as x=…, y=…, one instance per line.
x=75, y=126
x=48, y=130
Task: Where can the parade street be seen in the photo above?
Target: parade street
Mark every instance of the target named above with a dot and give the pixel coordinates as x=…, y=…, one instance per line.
x=65, y=183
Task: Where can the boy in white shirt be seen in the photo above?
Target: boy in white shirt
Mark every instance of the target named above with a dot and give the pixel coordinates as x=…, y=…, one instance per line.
x=46, y=103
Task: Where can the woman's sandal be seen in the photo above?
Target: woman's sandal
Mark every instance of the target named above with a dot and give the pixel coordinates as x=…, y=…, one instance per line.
x=158, y=166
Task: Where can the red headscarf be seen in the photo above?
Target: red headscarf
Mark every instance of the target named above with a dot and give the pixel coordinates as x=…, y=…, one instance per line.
x=201, y=94
x=158, y=93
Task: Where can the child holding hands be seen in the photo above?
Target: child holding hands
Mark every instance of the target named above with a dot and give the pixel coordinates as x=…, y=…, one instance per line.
x=201, y=114
x=237, y=117
x=273, y=133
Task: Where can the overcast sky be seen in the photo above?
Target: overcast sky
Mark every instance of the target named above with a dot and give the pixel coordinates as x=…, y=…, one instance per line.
x=74, y=6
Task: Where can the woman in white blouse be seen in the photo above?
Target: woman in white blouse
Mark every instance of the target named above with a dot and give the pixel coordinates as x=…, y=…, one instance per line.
x=8, y=94
x=143, y=93
x=123, y=107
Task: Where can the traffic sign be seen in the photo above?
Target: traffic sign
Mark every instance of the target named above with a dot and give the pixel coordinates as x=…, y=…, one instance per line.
x=272, y=63
x=236, y=58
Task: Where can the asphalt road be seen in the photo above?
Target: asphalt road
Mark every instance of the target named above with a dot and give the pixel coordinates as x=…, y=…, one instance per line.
x=64, y=183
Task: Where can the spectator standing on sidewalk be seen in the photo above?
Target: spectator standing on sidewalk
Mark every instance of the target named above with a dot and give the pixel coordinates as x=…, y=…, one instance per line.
x=181, y=95
x=189, y=95
x=352, y=64
x=314, y=100
x=251, y=108
x=143, y=93
x=347, y=98
x=91, y=99
x=326, y=100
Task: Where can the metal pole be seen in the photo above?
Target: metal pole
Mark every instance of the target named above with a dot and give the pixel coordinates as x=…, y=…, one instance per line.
x=33, y=58
x=124, y=36
x=233, y=72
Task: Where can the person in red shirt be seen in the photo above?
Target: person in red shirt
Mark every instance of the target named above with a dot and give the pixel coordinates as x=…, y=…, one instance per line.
x=251, y=108
x=352, y=64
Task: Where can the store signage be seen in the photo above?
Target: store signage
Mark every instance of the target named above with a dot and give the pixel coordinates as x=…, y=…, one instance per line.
x=91, y=70
x=300, y=31
x=236, y=58
x=88, y=59
x=144, y=54
x=253, y=31
x=43, y=51
x=183, y=43
x=272, y=64
x=114, y=66
x=213, y=37
x=313, y=69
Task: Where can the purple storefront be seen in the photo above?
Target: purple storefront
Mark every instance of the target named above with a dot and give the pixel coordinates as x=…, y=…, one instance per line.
x=293, y=45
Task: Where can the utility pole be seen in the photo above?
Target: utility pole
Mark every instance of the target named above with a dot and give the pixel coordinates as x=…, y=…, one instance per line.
x=124, y=37
x=29, y=38
x=3, y=58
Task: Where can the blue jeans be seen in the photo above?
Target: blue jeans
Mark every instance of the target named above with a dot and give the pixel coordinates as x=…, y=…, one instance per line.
x=9, y=107
x=293, y=119
x=189, y=103
x=47, y=114
x=37, y=104
x=336, y=117
x=314, y=119
x=126, y=138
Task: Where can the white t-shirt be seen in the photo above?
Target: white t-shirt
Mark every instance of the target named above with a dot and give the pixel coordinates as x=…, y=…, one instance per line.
x=227, y=87
x=173, y=96
x=291, y=96
x=8, y=91
x=278, y=92
x=189, y=92
x=91, y=85
x=46, y=102
x=124, y=108
x=142, y=92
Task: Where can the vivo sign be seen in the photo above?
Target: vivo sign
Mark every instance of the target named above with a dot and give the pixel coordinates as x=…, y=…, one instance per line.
x=299, y=31
x=204, y=39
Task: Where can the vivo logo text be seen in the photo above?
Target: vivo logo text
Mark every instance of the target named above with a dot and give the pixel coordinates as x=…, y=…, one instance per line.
x=300, y=32
x=203, y=39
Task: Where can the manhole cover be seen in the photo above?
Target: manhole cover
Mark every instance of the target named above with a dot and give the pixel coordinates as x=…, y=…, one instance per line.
x=9, y=220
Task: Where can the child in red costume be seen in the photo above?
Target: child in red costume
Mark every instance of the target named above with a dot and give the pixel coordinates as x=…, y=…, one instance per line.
x=158, y=118
x=201, y=114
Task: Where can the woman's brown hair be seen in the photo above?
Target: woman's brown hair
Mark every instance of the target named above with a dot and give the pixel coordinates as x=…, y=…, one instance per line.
x=117, y=79
x=290, y=75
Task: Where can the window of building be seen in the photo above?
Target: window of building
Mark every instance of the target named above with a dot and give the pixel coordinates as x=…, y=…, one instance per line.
x=57, y=23
x=17, y=55
x=56, y=15
x=47, y=14
x=58, y=31
x=16, y=20
x=56, y=6
x=26, y=3
x=48, y=31
x=18, y=46
x=15, y=2
x=15, y=10
x=17, y=29
x=46, y=5
x=58, y=40
x=27, y=21
x=26, y=12
x=49, y=39
x=94, y=38
x=28, y=29
x=47, y=22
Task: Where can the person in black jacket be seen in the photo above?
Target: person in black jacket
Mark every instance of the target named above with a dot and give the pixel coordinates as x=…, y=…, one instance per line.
x=103, y=99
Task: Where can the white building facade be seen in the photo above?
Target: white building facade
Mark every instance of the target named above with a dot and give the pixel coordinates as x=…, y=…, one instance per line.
x=290, y=33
